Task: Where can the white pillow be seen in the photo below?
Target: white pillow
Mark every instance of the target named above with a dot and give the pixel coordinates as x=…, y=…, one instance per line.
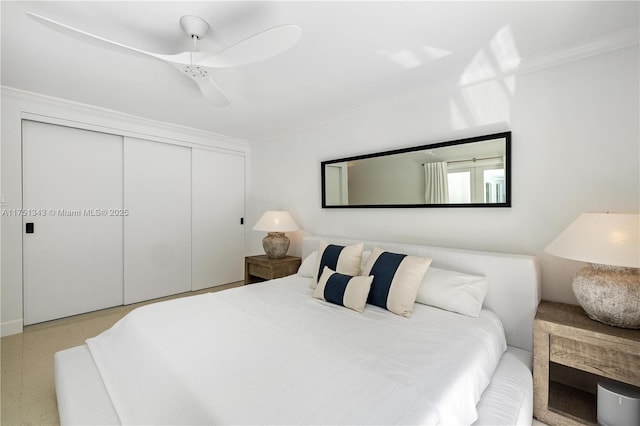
x=396, y=279
x=308, y=266
x=365, y=256
x=342, y=259
x=453, y=291
x=344, y=290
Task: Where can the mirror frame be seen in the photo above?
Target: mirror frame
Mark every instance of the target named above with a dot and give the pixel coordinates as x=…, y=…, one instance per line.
x=507, y=173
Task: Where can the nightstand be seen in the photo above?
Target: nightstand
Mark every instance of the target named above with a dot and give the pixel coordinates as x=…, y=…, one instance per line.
x=571, y=354
x=262, y=268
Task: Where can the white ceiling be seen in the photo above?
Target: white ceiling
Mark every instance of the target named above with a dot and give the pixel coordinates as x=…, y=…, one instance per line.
x=351, y=53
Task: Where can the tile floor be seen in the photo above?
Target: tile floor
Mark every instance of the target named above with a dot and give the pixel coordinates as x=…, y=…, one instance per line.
x=27, y=386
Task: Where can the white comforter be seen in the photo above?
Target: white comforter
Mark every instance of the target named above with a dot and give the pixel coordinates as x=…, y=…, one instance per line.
x=271, y=354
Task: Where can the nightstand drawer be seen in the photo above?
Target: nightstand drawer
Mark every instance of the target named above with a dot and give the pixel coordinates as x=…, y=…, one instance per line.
x=262, y=268
x=595, y=358
x=572, y=354
x=260, y=271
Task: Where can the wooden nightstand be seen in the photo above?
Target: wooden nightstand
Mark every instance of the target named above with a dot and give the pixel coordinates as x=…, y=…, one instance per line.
x=261, y=268
x=571, y=354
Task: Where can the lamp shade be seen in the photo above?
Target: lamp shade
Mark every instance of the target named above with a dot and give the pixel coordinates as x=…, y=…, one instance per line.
x=276, y=221
x=601, y=238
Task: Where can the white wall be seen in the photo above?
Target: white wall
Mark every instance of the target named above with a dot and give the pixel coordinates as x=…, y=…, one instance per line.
x=17, y=105
x=575, y=148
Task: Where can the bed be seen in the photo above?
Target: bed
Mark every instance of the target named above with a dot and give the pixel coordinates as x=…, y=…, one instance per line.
x=270, y=353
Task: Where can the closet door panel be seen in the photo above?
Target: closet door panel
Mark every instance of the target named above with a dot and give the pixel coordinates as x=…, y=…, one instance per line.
x=72, y=194
x=157, y=229
x=218, y=206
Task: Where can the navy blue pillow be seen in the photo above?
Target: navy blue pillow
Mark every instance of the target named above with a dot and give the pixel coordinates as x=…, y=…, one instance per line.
x=339, y=258
x=396, y=279
x=344, y=290
x=329, y=258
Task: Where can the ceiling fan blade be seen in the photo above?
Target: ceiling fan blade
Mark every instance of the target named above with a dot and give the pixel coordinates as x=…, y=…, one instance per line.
x=103, y=42
x=212, y=92
x=256, y=48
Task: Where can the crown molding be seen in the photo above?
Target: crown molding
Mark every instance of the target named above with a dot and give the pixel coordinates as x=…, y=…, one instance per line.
x=198, y=136
x=609, y=42
x=615, y=40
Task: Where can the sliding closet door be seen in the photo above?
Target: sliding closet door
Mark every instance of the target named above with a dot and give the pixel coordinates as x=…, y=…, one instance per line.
x=157, y=229
x=218, y=209
x=72, y=227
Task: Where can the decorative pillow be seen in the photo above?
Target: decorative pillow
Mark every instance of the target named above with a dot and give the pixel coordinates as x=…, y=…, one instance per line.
x=344, y=290
x=308, y=265
x=396, y=279
x=342, y=259
x=453, y=291
x=365, y=257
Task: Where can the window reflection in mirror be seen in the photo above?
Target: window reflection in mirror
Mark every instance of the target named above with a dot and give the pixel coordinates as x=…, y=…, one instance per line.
x=468, y=172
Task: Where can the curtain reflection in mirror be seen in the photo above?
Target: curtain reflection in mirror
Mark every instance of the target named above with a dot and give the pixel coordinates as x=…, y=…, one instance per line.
x=436, y=186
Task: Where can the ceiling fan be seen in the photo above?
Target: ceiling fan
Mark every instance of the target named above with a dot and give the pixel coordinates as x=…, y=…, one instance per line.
x=195, y=64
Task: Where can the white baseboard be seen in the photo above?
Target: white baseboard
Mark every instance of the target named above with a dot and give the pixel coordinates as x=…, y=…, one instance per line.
x=11, y=327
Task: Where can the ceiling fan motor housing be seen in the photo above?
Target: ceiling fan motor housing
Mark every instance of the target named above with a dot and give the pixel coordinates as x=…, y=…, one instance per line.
x=194, y=26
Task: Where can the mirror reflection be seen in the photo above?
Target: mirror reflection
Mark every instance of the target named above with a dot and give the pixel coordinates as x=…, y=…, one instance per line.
x=468, y=172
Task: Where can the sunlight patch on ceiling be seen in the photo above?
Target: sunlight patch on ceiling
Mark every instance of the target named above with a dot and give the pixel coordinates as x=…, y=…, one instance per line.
x=434, y=53
x=504, y=50
x=503, y=58
x=409, y=59
x=405, y=58
x=479, y=69
x=488, y=83
x=487, y=103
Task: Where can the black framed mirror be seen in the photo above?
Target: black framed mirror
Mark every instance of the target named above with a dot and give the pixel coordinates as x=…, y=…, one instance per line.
x=470, y=172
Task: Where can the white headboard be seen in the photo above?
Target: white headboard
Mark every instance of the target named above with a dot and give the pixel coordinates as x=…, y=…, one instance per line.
x=514, y=280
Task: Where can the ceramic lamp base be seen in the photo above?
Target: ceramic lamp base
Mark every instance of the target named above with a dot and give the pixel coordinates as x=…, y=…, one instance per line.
x=276, y=245
x=610, y=295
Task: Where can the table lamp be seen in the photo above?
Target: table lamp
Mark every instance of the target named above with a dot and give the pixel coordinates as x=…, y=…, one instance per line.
x=609, y=288
x=276, y=223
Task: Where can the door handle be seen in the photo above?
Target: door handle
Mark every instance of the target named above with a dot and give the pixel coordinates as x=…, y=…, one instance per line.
x=29, y=228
